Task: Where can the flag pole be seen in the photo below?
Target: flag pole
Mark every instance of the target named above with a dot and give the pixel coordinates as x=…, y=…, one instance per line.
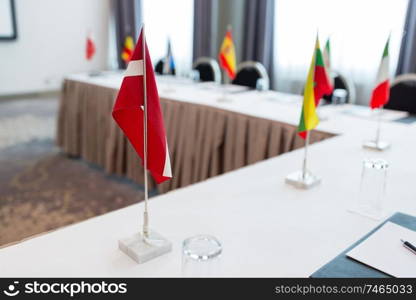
x=146, y=191
x=304, y=169
x=377, y=141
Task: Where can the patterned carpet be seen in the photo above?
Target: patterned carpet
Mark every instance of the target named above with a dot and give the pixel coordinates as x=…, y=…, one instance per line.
x=40, y=188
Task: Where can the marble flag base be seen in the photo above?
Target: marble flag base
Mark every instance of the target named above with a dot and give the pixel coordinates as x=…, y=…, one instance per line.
x=379, y=146
x=142, y=250
x=299, y=181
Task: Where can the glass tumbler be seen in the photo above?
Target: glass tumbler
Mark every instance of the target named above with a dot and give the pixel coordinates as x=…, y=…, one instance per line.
x=201, y=256
x=339, y=96
x=261, y=85
x=371, y=197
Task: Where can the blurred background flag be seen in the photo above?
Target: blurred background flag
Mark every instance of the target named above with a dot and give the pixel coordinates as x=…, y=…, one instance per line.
x=227, y=55
x=380, y=94
x=322, y=85
x=128, y=49
x=90, y=48
x=169, y=64
x=309, y=118
x=128, y=112
x=327, y=61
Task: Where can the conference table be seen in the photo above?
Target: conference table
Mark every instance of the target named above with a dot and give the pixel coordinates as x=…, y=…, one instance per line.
x=267, y=228
x=206, y=137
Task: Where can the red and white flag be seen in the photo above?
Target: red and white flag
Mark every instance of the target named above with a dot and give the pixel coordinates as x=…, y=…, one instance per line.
x=381, y=92
x=128, y=112
x=90, y=48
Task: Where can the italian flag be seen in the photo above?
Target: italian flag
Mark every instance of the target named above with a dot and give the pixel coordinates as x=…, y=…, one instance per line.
x=380, y=95
x=327, y=61
x=227, y=55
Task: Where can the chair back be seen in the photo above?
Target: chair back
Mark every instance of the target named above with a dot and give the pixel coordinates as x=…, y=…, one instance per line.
x=403, y=93
x=249, y=72
x=208, y=69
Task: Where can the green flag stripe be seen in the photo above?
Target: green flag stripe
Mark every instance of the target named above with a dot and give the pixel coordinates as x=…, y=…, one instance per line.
x=319, y=58
x=301, y=126
x=386, y=48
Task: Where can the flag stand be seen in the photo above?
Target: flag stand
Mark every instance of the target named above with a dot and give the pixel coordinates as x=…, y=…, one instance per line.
x=377, y=144
x=147, y=244
x=224, y=91
x=303, y=179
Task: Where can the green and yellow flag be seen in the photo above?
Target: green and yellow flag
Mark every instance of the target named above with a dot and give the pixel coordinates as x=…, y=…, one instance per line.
x=309, y=118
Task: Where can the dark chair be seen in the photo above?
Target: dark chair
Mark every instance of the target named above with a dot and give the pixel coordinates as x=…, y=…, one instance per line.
x=342, y=82
x=159, y=68
x=249, y=72
x=208, y=69
x=403, y=93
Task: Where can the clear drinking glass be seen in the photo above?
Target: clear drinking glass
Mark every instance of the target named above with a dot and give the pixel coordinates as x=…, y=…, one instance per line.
x=261, y=85
x=201, y=256
x=371, y=197
x=339, y=96
x=194, y=75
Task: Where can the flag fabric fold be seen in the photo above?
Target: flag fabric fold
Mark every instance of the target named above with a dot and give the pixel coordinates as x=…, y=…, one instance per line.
x=128, y=112
x=227, y=55
x=381, y=93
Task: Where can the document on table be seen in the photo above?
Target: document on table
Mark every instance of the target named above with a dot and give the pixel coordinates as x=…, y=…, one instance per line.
x=384, y=251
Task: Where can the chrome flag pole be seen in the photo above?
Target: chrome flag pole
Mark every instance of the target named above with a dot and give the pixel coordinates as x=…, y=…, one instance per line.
x=146, y=188
x=378, y=125
x=304, y=168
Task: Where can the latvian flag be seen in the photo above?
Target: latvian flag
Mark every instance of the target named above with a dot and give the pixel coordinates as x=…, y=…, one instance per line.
x=381, y=92
x=128, y=112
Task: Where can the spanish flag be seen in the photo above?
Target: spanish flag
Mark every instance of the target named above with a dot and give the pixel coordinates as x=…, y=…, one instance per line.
x=128, y=49
x=227, y=55
x=309, y=118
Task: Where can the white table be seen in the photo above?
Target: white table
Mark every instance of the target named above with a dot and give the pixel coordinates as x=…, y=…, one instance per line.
x=263, y=224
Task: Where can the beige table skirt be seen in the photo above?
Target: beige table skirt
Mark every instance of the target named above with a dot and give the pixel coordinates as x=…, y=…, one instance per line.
x=203, y=141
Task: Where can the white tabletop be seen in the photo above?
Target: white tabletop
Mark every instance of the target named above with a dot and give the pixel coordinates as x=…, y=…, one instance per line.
x=267, y=228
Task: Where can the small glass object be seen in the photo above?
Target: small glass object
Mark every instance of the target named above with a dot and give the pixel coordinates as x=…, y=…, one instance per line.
x=339, y=96
x=371, y=197
x=201, y=256
x=194, y=75
x=261, y=85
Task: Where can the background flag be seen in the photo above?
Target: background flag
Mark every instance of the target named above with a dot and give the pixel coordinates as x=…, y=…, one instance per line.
x=90, y=48
x=227, y=55
x=308, y=118
x=128, y=112
x=327, y=61
x=169, y=64
x=127, y=49
x=321, y=78
x=381, y=92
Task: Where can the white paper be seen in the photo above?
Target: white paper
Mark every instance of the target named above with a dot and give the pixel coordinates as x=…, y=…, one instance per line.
x=384, y=251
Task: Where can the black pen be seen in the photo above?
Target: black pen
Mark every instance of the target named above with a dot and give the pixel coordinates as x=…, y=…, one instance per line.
x=409, y=246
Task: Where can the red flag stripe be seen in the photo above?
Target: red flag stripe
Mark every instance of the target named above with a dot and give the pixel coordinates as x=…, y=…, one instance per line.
x=380, y=95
